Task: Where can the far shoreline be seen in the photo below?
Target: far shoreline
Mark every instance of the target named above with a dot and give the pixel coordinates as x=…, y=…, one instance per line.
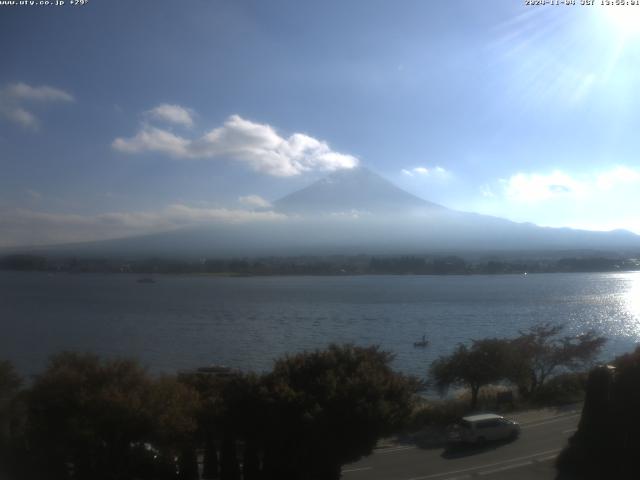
x=522, y=264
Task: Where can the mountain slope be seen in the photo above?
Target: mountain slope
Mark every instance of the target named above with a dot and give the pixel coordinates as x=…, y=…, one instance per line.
x=357, y=189
x=353, y=212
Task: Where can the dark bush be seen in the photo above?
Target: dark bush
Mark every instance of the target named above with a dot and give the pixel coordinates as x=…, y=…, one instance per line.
x=561, y=390
x=607, y=443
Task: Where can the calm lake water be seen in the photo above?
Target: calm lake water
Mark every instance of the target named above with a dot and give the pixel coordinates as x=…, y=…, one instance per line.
x=188, y=321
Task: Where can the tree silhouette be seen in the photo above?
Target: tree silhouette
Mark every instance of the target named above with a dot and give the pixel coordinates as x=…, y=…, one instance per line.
x=486, y=361
x=93, y=419
x=329, y=407
x=540, y=352
x=10, y=410
x=606, y=443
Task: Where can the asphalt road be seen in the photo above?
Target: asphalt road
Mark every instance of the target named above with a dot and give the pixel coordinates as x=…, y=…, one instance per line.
x=530, y=457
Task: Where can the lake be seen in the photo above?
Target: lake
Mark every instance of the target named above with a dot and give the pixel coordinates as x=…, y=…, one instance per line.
x=186, y=321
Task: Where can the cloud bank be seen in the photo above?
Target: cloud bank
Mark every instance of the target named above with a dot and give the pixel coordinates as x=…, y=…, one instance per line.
x=255, y=201
x=21, y=226
x=255, y=145
x=540, y=187
x=531, y=188
x=596, y=200
x=14, y=97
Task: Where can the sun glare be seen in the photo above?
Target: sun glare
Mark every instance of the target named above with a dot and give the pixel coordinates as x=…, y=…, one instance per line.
x=625, y=19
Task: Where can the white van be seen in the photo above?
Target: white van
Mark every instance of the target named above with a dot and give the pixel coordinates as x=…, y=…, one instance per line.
x=482, y=428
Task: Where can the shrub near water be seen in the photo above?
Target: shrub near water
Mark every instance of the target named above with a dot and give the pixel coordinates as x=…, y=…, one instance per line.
x=10, y=412
x=92, y=419
x=561, y=390
x=330, y=407
x=529, y=362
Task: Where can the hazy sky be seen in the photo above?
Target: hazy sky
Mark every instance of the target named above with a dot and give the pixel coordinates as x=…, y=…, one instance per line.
x=122, y=117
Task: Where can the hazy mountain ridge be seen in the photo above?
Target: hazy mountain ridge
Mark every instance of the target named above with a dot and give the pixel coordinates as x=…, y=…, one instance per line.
x=352, y=212
x=353, y=190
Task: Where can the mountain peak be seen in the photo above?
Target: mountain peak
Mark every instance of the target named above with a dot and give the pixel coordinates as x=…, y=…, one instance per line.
x=356, y=189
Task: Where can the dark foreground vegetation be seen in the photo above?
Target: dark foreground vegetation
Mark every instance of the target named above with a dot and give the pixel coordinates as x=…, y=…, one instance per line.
x=332, y=265
x=537, y=358
x=607, y=442
x=90, y=418
x=87, y=418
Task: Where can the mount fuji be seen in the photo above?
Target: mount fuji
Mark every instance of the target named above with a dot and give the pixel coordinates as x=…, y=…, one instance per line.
x=357, y=212
x=353, y=190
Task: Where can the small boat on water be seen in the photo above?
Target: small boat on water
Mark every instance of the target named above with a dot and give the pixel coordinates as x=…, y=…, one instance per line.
x=422, y=343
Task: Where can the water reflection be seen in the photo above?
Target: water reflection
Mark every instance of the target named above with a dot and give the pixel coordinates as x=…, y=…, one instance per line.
x=187, y=321
x=632, y=304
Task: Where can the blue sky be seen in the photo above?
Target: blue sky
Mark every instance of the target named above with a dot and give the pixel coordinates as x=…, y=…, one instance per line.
x=121, y=118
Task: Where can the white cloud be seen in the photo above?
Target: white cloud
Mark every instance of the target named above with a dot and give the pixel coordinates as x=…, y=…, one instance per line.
x=531, y=188
x=598, y=200
x=616, y=177
x=172, y=114
x=179, y=213
x=540, y=187
x=349, y=214
x=254, y=201
x=26, y=227
x=44, y=93
x=152, y=139
x=257, y=145
x=14, y=96
x=435, y=172
x=19, y=115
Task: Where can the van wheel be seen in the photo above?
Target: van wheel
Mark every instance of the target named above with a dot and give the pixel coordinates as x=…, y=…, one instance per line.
x=481, y=442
